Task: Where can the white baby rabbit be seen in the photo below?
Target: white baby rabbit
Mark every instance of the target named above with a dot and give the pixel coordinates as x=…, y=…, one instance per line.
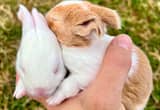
x=39, y=64
x=80, y=28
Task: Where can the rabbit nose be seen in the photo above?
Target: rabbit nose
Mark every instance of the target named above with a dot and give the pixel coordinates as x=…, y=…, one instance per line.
x=40, y=92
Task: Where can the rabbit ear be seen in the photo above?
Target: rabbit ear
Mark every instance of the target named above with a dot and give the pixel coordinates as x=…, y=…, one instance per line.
x=20, y=90
x=39, y=19
x=86, y=26
x=25, y=17
x=109, y=16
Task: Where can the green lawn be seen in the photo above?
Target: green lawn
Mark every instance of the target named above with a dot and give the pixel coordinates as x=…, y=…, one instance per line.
x=140, y=20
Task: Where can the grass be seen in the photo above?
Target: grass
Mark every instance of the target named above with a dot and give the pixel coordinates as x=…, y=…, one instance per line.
x=140, y=20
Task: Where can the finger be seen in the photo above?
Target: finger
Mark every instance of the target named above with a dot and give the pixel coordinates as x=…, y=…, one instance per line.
x=106, y=90
x=117, y=61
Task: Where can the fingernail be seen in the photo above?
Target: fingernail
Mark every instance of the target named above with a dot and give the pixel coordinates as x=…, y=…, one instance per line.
x=124, y=41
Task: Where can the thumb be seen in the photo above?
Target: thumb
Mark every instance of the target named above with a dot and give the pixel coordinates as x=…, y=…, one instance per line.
x=107, y=87
x=117, y=61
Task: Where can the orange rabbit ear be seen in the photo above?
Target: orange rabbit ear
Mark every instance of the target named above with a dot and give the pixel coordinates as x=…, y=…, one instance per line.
x=109, y=16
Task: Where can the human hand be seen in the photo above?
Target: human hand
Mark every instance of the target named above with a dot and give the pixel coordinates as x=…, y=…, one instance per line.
x=104, y=93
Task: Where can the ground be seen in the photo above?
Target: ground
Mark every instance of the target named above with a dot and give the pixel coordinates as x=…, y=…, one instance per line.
x=140, y=20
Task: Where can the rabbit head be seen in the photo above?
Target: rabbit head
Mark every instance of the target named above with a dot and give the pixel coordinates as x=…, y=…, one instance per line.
x=74, y=22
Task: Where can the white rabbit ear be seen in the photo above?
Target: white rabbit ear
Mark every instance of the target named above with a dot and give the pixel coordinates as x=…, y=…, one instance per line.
x=25, y=17
x=20, y=90
x=39, y=20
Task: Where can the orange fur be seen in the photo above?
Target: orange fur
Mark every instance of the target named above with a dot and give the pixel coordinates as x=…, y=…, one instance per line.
x=109, y=16
x=139, y=86
x=70, y=27
x=72, y=23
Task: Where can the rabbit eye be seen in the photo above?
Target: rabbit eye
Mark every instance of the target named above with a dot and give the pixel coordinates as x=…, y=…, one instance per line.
x=23, y=69
x=56, y=70
x=87, y=22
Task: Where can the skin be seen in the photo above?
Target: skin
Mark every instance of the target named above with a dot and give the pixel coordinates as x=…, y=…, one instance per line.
x=104, y=93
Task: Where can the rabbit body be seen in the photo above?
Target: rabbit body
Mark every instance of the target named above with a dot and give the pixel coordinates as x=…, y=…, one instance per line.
x=80, y=28
x=39, y=63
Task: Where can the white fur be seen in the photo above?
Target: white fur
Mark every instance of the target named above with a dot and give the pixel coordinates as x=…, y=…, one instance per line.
x=142, y=106
x=20, y=90
x=88, y=59
x=39, y=56
x=69, y=2
x=83, y=64
x=134, y=63
x=118, y=20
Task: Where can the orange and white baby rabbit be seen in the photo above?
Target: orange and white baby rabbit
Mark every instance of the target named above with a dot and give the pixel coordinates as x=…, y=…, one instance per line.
x=39, y=65
x=80, y=28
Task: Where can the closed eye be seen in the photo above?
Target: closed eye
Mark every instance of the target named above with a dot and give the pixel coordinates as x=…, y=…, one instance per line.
x=85, y=23
x=56, y=69
x=22, y=69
